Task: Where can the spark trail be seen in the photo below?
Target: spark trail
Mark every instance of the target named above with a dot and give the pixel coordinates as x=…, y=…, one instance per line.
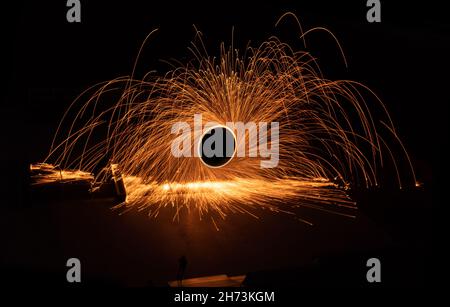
x=328, y=137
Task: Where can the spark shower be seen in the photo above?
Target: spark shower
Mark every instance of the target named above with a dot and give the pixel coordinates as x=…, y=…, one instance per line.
x=328, y=140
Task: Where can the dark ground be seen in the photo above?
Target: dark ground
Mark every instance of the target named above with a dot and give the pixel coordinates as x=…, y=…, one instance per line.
x=277, y=250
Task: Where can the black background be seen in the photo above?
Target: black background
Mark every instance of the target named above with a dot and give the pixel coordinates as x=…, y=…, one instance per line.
x=47, y=61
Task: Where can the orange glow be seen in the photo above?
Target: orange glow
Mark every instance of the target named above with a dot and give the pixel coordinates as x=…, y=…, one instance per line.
x=235, y=195
x=44, y=173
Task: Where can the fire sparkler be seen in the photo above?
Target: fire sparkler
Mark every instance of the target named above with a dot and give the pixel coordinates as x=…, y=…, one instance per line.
x=328, y=137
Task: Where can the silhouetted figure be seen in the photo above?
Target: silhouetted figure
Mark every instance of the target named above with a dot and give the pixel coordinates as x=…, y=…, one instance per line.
x=182, y=263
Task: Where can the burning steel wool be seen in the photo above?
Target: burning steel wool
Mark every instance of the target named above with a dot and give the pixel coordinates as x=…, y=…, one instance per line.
x=327, y=138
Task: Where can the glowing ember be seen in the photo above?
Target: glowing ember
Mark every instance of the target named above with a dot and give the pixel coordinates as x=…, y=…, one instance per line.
x=237, y=195
x=44, y=173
